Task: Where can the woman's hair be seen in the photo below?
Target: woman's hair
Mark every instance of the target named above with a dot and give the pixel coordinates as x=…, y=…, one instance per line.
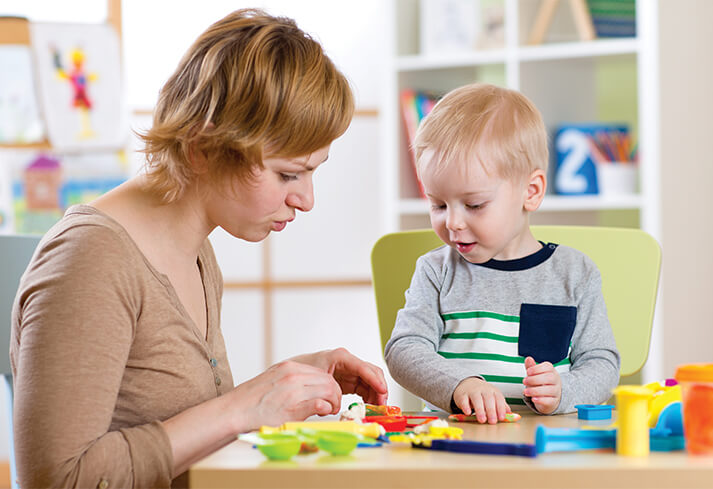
x=250, y=85
x=482, y=123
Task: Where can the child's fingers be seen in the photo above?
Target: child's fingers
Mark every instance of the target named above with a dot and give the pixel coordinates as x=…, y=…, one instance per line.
x=491, y=408
x=478, y=407
x=529, y=362
x=547, y=378
x=539, y=368
x=463, y=402
x=545, y=404
x=547, y=390
x=502, y=407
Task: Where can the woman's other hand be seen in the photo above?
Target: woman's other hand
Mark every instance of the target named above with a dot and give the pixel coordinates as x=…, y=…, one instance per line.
x=287, y=391
x=355, y=376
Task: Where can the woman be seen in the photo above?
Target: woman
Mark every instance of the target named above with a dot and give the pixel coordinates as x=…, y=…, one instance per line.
x=121, y=375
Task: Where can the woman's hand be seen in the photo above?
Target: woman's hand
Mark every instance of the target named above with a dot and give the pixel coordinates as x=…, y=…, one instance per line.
x=354, y=375
x=287, y=391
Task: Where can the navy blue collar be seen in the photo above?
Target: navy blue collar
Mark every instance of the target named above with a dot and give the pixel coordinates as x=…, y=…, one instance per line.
x=523, y=263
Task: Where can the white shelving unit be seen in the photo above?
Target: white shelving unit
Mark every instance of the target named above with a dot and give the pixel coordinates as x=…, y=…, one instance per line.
x=570, y=81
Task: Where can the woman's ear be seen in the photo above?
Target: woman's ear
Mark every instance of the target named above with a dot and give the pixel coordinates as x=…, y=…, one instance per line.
x=535, y=188
x=197, y=159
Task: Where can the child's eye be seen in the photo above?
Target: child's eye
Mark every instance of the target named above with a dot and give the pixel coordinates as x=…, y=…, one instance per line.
x=288, y=177
x=438, y=207
x=474, y=207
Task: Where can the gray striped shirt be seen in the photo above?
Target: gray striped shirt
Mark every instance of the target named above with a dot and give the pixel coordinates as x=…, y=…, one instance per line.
x=462, y=320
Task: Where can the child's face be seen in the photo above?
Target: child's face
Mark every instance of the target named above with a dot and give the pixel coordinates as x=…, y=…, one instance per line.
x=480, y=215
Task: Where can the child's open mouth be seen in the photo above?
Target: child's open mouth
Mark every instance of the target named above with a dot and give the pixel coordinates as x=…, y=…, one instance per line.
x=465, y=247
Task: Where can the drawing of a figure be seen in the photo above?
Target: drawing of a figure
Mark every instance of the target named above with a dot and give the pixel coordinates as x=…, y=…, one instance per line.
x=79, y=81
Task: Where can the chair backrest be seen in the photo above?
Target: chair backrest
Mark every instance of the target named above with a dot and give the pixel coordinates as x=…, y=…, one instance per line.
x=629, y=261
x=15, y=254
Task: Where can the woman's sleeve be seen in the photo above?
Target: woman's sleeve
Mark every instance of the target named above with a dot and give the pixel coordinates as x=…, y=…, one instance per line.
x=77, y=308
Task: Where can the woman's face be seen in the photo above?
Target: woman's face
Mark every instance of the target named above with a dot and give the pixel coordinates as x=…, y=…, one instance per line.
x=269, y=199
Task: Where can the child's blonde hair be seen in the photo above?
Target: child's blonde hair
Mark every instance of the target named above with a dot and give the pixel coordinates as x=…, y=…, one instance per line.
x=496, y=127
x=251, y=85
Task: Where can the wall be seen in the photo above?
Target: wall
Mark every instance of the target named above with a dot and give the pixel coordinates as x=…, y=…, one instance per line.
x=687, y=172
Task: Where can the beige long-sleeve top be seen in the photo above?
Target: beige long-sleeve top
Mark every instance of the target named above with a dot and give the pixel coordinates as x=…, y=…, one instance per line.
x=102, y=350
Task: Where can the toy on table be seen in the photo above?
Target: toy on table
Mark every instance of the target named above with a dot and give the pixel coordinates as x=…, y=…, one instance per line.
x=697, y=395
x=355, y=412
x=390, y=417
x=437, y=435
x=662, y=415
x=594, y=411
x=509, y=418
x=480, y=447
x=382, y=410
x=662, y=396
x=275, y=446
x=389, y=423
x=285, y=445
x=632, y=436
x=373, y=430
x=573, y=439
x=435, y=429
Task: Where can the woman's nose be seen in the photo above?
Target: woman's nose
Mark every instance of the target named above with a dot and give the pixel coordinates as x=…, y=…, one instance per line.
x=302, y=196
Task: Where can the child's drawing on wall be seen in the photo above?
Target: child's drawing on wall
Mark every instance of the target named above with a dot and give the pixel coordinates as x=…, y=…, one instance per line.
x=79, y=72
x=79, y=80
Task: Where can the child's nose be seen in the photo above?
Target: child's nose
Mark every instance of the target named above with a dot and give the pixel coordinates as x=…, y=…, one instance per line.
x=454, y=221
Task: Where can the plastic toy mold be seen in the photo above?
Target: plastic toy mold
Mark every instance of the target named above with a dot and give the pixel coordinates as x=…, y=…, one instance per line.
x=594, y=411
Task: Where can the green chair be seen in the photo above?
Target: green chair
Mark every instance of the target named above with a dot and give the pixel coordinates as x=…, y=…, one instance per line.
x=628, y=259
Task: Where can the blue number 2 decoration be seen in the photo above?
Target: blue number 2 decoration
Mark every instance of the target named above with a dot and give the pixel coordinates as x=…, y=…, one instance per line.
x=575, y=173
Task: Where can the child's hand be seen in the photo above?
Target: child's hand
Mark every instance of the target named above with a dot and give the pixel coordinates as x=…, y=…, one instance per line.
x=476, y=397
x=543, y=385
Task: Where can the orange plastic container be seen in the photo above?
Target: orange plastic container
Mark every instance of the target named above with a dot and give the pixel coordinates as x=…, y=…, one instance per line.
x=697, y=397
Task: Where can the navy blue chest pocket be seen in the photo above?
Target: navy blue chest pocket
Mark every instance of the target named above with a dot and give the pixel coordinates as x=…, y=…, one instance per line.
x=546, y=331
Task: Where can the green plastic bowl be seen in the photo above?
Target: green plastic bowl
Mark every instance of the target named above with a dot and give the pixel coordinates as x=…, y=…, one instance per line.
x=337, y=442
x=278, y=446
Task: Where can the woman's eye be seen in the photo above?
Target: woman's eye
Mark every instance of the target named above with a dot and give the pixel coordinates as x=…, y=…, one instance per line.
x=474, y=207
x=288, y=177
x=438, y=207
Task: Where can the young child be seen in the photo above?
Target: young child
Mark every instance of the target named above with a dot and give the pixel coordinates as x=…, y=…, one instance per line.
x=497, y=318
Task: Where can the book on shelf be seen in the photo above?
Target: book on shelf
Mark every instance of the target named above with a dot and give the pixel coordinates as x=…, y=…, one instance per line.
x=613, y=19
x=415, y=105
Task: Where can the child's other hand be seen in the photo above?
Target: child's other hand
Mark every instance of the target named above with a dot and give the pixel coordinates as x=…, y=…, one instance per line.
x=476, y=397
x=543, y=385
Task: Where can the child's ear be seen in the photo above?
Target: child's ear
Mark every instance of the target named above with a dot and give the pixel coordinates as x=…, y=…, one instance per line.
x=535, y=190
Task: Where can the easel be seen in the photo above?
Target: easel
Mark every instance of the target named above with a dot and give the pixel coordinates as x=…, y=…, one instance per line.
x=580, y=12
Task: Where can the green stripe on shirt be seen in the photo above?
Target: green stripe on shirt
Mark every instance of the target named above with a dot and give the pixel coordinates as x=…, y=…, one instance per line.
x=494, y=357
x=480, y=314
x=482, y=356
x=486, y=336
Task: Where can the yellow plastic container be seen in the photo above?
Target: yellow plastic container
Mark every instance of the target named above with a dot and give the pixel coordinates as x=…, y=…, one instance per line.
x=697, y=401
x=632, y=407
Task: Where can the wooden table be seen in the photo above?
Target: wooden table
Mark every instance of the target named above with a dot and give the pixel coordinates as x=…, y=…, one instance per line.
x=399, y=466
